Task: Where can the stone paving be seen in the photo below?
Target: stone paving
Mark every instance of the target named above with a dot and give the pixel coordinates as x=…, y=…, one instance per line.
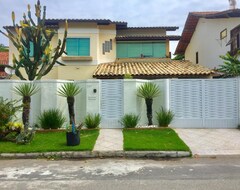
x=211, y=142
x=109, y=140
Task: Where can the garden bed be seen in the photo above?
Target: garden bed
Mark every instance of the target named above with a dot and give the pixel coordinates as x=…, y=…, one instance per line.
x=52, y=142
x=159, y=139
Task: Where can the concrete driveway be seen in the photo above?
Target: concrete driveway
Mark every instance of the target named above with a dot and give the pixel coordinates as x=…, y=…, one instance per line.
x=211, y=142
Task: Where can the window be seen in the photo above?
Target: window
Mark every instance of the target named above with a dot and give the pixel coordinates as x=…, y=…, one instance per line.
x=223, y=34
x=235, y=40
x=31, y=53
x=238, y=41
x=78, y=46
x=197, y=59
x=141, y=49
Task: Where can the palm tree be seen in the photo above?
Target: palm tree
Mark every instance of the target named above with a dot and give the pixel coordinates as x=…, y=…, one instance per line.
x=69, y=90
x=148, y=91
x=231, y=66
x=26, y=91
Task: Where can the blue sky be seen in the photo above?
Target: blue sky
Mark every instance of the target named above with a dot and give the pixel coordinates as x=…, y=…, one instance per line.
x=135, y=12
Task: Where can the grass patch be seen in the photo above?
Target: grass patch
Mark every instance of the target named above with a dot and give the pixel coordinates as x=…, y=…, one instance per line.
x=164, y=139
x=52, y=141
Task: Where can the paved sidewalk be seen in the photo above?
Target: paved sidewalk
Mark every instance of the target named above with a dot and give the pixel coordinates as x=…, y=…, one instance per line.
x=211, y=142
x=109, y=140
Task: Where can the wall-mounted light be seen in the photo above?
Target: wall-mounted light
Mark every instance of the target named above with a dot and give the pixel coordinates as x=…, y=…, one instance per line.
x=94, y=90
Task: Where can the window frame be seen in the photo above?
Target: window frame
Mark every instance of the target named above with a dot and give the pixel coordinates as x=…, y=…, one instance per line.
x=223, y=34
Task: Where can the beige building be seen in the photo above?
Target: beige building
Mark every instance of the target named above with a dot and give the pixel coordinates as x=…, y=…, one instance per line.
x=206, y=36
x=91, y=42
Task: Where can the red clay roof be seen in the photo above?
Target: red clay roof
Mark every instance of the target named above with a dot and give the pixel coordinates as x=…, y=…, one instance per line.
x=150, y=68
x=4, y=56
x=191, y=23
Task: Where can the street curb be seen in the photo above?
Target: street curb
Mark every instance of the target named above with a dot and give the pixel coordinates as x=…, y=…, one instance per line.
x=97, y=154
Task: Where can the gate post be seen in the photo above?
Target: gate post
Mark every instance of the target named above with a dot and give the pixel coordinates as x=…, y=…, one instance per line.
x=93, y=96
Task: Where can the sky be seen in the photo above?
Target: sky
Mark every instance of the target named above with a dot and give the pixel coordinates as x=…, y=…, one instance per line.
x=134, y=12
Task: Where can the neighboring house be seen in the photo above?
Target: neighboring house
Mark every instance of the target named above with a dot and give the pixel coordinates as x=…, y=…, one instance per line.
x=3, y=61
x=94, y=42
x=206, y=35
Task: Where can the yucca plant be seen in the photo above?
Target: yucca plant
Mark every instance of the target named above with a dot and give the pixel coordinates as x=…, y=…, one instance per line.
x=26, y=91
x=148, y=91
x=92, y=121
x=51, y=119
x=69, y=90
x=164, y=117
x=130, y=120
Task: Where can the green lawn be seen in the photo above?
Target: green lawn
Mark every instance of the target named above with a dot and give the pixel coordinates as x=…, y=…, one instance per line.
x=52, y=141
x=164, y=139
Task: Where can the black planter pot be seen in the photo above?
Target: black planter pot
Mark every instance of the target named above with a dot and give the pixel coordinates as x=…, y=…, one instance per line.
x=73, y=139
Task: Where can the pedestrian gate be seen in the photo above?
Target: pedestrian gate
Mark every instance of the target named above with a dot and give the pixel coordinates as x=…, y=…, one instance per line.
x=111, y=103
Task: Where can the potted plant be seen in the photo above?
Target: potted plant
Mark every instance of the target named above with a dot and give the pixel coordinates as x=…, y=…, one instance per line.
x=73, y=135
x=69, y=90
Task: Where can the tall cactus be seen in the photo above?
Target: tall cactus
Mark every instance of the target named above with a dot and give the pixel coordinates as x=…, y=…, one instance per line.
x=36, y=34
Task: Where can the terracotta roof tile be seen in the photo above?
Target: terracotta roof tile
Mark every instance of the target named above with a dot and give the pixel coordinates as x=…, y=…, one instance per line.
x=150, y=68
x=4, y=58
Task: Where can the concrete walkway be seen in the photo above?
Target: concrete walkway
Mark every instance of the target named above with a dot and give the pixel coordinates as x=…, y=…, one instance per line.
x=211, y=142
x=109, y=140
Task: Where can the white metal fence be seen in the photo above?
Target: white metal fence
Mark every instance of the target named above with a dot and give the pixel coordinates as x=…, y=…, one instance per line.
x=206, y=103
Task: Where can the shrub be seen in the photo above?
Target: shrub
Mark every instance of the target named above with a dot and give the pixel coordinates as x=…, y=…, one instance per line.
x=130, y=120
x=8, y=111
x=92, y=121
x=51, y=119
x=128, y=76
x=164, y=117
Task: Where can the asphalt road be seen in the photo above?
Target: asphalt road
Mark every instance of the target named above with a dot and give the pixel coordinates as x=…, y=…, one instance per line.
x=114, y=174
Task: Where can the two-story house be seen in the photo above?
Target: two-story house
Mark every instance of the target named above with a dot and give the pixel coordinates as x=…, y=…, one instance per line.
x=207, y=35
x=94, y=43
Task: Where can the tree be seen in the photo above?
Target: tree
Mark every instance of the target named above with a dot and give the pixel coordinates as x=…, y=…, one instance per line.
x=32, y=40
x=26, y=91
x=231, y=65
x=69, y=90
x=3, y=48
x=148, y=91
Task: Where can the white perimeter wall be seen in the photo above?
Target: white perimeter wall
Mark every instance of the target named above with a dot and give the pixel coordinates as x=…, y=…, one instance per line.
x=184, y=95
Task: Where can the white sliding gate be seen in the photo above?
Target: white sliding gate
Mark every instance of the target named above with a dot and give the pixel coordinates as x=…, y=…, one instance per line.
x=111, y=103
x=204, y=103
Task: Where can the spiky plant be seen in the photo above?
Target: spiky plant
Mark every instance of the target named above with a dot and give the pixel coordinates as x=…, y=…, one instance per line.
x=51, y=119
x=231, y=65
x=92, y=121
x=164, y=117
x=130, y=120
x=32, y=41
x=69, y=90
x=26, y=91
x=148, y=91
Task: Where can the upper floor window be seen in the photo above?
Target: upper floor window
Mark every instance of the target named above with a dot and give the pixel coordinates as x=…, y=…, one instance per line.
x=235, y=40
x=78, y=46
x=141, y=49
